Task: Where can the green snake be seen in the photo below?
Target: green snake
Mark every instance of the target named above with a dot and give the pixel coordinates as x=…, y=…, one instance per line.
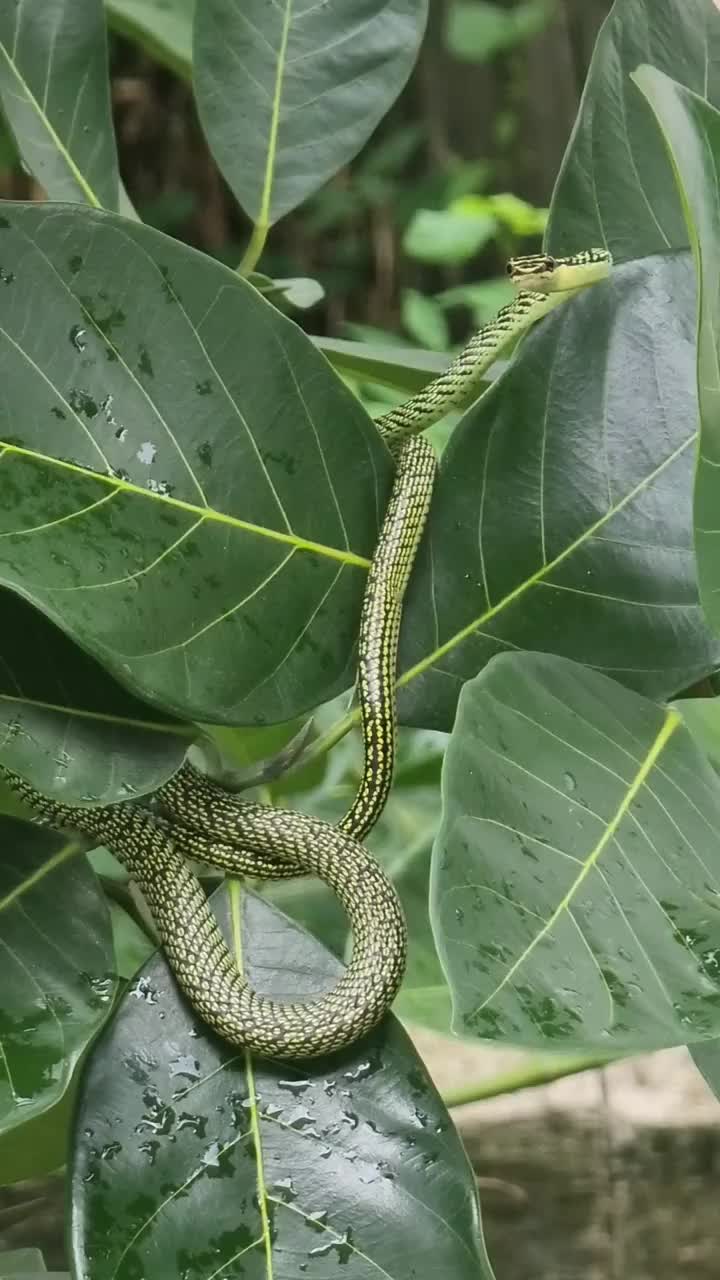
x=192, y=817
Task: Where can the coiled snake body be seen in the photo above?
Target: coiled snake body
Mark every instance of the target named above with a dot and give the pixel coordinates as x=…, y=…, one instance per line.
x=191, y=816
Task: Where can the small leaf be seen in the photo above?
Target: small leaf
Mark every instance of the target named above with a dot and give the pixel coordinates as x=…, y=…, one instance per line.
x=401, y=368
x=575, y=895
x=162, y=27
x=289, y=92
x=65, y=724
x=424, y=320
x=477, y=30
x=55, y=92
x=304, y=1164
x=443, y=236
x=57, y=983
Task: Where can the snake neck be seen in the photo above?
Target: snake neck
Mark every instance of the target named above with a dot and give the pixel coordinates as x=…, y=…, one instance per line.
x=460, y=384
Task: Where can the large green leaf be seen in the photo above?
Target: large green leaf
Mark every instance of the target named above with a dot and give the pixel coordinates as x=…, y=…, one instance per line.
x=163, y=427
x=576, y=875
x=192, y=1158
x=615, y=187
x=162, y=27
x=562, y=516
x=55, y=93
x=57, y=984
x=67, y=726
x=289, y=91
x=691, y=131
x=403, y=368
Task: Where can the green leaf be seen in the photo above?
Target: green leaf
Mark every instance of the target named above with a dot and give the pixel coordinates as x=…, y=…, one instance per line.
x=521, y=218
x=702, y=717
x=67, y=726
x=8, y=150
x=691, y=131
x=57, y=983
x=162, y=27
x=55, y=92
x=424, y=320
x=163, y=426
x=477, y=31
x=131, y=945
x=615, y=186
x=576, y=875
x=289, y=92
x=707, y=1060
x=402, y=368
x=443, y=236
x=561, y=516
x=37, y=1147
x=484, y=300
x=21, y=1262
x=299, y=292
x=304, y=1165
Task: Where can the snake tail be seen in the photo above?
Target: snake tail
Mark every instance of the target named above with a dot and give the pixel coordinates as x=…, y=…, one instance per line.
x=200, y=959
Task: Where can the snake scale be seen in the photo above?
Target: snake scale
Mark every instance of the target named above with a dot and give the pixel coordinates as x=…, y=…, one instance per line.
x=190, y=816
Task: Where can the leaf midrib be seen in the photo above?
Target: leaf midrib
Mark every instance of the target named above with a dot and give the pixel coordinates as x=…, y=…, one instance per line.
x=202, y=514
x=539, y=576
x=62, y=150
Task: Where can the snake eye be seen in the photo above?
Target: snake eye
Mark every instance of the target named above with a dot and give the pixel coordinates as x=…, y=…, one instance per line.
x=510, y=267
x=550, y=263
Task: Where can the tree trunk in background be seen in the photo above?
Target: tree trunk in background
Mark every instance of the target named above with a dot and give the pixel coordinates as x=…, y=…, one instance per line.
x=540, y=83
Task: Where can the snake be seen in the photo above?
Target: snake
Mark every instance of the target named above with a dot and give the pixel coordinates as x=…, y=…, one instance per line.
x=193, y=817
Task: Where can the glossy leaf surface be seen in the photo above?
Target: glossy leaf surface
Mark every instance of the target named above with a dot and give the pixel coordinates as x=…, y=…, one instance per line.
x=691, y=131
x=163, y=427
x=561, y=519
x=191, y=1157
x=57, y=982
x=575, y=894
x=615, y=187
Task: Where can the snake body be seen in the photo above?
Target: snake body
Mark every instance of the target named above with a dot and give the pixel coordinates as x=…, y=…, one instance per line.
x=545, y=283
x=192, y=817
x=193, y=943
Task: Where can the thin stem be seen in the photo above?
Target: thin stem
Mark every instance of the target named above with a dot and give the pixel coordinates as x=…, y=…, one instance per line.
x=254, y=250
x=541, y=1071
x=327, y=740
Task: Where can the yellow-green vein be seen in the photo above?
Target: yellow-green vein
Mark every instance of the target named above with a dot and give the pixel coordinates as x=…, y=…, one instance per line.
x=204, y=513
x=62, y=150
x=234, y=892
x=262, y=223
x=672, y=722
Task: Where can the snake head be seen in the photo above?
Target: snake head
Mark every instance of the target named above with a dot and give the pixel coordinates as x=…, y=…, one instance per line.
x=542, y=273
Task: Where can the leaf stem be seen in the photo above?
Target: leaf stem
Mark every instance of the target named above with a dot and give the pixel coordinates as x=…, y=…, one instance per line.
x=540, y=1071
x=327, y=740
x=254, y=250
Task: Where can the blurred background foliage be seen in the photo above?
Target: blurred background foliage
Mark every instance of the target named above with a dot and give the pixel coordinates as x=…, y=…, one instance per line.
x=411, y=238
